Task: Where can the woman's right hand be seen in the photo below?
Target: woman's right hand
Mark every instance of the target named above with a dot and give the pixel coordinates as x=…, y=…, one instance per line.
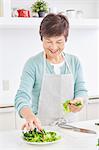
x=32, y=122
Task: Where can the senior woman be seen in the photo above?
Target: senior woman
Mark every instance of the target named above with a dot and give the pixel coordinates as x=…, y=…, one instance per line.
x=50, y=77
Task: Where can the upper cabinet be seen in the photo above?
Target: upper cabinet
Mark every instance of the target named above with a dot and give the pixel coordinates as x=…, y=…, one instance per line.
x=81, y=13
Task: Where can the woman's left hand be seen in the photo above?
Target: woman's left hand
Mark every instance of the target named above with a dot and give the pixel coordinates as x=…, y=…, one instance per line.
x=73, y=106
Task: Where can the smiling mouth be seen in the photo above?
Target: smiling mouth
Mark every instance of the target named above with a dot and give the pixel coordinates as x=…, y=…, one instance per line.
x=53, y=52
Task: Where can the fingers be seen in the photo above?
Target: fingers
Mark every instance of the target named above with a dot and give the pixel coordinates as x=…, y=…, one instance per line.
x=74, y=108
x=38, y=124
x=28, y=126
x=23, y=127
x=76, y=100
x=31, y=124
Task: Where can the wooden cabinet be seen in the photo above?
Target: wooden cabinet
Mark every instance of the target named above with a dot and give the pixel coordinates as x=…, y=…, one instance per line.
x=7, y=118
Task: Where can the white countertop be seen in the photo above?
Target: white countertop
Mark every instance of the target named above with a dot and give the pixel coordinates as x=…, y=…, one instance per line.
x=11, y=140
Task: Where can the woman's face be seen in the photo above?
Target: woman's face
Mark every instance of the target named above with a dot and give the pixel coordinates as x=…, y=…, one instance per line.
x=53, y=46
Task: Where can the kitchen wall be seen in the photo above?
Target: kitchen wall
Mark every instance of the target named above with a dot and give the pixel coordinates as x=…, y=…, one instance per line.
x=17, y=45
x=84, y=44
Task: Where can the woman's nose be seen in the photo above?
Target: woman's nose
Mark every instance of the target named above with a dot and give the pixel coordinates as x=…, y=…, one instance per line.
x=53, y=46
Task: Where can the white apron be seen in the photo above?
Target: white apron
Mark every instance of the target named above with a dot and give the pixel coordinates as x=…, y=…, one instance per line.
x=55, y=90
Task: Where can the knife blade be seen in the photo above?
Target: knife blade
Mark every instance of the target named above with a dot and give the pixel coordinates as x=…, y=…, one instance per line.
x=82, y=130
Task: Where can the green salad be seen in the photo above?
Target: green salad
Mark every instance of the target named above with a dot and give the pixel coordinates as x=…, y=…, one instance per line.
x=97, y=143
x=37, y=136
x=66, y=105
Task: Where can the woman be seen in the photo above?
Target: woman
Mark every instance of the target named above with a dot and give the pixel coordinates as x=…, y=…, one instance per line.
x=50, y=77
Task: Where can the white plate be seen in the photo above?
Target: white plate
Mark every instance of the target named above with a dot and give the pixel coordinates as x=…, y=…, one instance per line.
x=44, y=143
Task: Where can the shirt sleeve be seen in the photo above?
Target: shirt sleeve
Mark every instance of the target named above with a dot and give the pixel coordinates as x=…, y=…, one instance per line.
x=23, y=96
x=79, y=85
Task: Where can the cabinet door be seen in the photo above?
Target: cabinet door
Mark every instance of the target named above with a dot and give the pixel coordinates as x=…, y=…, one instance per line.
x=19, y=121
x=93, y=111
x=82, y=114
x=7, y=118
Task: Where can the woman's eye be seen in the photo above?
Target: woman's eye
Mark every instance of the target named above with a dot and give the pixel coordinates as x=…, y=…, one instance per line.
x=48, y=42
x=59, y=42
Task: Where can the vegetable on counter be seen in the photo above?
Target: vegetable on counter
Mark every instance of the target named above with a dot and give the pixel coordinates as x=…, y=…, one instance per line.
x=43, y=136
x=66, y=105
x=97, y=143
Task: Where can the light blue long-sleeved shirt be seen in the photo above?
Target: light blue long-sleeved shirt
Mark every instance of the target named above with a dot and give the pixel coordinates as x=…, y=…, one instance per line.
x=31, y=80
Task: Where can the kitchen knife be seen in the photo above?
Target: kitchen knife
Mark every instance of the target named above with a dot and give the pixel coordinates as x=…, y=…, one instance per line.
x=70, y=127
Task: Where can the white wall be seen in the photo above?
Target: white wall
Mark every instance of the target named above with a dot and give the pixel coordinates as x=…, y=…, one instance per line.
x=84, y=44
x=17, y=45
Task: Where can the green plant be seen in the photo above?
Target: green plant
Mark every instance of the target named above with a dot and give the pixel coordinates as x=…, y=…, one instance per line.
x=40, y=6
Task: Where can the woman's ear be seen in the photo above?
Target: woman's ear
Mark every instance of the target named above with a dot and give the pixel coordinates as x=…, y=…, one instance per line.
x=66, y=39
x=41, y=38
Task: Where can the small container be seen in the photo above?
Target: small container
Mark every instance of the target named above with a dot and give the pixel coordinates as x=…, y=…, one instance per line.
x=79, y=14
x=14, y=12
x=71, y=13
x=23, y=13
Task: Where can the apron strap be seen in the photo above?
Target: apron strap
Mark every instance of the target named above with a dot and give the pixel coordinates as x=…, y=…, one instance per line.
x=64, y=59
x=67, y=62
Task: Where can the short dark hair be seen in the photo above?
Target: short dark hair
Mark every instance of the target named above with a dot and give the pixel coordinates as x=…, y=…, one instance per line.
x=54, y=25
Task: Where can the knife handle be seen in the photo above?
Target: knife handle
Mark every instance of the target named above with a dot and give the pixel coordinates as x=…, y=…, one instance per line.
x=97, y=123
